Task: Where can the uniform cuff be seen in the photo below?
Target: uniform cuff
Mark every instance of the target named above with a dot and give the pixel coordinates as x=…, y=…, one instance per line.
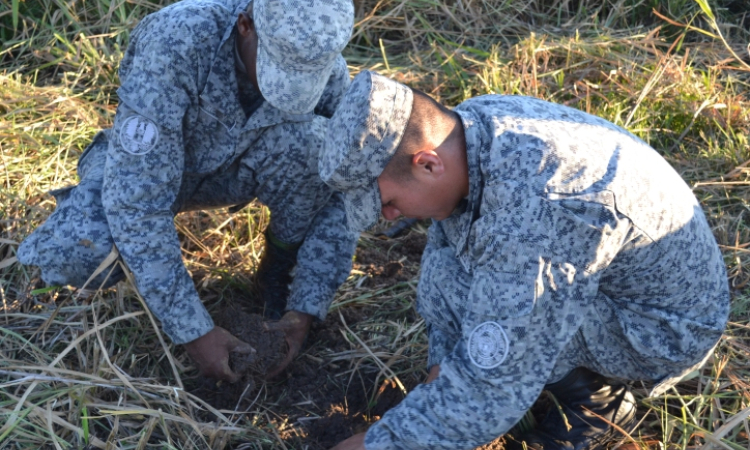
x=309, y=301
x=189, y=327
x=440, y=345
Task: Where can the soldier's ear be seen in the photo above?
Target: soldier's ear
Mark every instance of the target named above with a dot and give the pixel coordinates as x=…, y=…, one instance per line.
x=427, y=163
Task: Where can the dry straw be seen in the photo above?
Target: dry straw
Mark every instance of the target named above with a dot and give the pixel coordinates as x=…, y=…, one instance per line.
x=96, y=372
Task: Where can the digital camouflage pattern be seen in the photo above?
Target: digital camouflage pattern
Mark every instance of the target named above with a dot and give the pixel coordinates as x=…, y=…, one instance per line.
x=298, y=45
x=578, y=245
x=191, y=133
x=353, y=136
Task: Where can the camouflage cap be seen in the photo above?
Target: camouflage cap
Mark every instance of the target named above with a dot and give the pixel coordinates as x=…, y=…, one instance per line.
x=363, y=135
x=298, y=42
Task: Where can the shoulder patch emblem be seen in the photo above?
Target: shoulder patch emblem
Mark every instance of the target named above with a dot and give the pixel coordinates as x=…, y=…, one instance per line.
x=488, y=345
x=138, y=135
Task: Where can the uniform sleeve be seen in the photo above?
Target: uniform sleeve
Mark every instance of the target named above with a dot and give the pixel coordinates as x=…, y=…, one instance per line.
x=528, y=297
x=334, y=91
x=440, y=345
x=440, y=341
x=324, y=261
x=305, y=211
x=142, y=179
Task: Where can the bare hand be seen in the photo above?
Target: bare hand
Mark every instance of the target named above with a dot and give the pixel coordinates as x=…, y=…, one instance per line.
x=356, y=442
x=295, y=326
x=434, y=373
x=211, y=353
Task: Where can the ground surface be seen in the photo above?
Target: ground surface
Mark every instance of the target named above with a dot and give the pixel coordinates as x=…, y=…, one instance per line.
x=319, y=400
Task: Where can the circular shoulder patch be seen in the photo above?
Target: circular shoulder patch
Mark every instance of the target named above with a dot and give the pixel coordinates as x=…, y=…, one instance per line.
x=488, y=345
x=138, y=135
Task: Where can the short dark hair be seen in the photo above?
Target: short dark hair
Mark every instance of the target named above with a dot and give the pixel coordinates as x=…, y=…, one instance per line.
x=422, y=113
x=399, y=167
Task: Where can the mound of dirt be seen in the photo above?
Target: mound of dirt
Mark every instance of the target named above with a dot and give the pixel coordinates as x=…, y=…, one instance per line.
x=321, y=399
x=270, y=346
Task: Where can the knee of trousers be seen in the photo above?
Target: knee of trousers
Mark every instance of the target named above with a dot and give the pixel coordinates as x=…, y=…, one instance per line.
x=74, y=241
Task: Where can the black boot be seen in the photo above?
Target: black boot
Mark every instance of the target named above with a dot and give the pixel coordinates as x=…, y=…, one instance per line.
x=274, y=276
x=590, y=406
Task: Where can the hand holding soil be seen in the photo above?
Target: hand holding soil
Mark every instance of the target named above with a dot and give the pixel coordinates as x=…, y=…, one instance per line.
x=320, y=405
x=277, y=343
x=295, y=325
x=211, y=353
x=270, y=345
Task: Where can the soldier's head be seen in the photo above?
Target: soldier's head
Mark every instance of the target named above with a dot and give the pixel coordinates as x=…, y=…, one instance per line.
x=289, y=47
x=394, y=150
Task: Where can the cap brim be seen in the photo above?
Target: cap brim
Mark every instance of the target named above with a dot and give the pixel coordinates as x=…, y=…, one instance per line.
x=292, y=91
x=362, y=207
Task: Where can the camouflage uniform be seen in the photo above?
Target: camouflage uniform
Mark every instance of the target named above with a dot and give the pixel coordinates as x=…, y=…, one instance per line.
x=192, y=133
x=578, y=246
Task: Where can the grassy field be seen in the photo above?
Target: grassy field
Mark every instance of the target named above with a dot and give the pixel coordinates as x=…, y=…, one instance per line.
x=96, y=372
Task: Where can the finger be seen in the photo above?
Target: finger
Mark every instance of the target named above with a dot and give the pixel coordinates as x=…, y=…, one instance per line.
x=228, y=374
x=239, y=346
x=232, y=377
x=276, y=326
x=243, y=348
x=293, y=348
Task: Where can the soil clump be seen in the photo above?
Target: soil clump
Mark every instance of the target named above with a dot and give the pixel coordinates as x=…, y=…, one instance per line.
x=270, y=348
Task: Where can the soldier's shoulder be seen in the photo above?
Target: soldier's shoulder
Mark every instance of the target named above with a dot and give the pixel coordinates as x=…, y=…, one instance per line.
x=502, y=110
x=493, y=104
x=196, y=20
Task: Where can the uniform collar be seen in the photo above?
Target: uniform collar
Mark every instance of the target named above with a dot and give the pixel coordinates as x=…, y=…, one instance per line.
x=267, y=115
x=473, y=136
x=220, y=96
x=221, y=93
x=457, y=227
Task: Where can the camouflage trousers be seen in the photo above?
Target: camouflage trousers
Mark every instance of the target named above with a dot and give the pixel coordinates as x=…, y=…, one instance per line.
x=75, y=239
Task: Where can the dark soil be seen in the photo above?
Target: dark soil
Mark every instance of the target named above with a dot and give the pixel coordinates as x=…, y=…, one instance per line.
x=389, y=261
x=320, y=401
x=327, y=403
x=270, y=346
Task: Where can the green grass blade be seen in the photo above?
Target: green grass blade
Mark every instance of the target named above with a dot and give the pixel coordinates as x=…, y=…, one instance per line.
x=14, y=14
x=706, y=8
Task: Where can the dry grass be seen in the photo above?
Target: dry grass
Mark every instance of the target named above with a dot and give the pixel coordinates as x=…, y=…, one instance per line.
x=78, y=372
